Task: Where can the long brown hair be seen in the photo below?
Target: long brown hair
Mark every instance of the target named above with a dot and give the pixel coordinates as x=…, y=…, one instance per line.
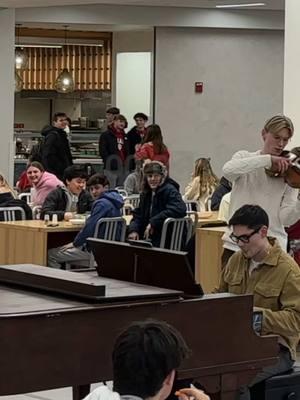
x=207, y=178
x=5, y=187
x=154, y=135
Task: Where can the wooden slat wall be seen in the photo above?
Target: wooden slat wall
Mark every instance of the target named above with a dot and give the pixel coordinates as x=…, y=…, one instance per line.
x=90, y=67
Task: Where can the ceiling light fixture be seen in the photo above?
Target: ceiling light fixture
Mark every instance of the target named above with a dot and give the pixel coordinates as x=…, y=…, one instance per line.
x=64, y=83
x=240, y=5
x=21, y=58
x=18, y=82
x=46, y=46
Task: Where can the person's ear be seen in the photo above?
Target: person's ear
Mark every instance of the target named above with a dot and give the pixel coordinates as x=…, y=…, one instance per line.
x=264, y=134
x=264, y=231
x=170, y=378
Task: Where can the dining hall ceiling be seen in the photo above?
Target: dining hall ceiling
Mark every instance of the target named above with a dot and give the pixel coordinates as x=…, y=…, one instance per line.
x=269, y=4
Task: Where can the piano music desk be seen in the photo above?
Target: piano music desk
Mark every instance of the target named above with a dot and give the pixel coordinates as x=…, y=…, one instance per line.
x=209, y=248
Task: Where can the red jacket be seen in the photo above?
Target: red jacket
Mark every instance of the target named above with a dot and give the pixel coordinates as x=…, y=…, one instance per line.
x=146, y=151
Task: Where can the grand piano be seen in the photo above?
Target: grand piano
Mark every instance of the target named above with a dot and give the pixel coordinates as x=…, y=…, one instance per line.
x=57, y=329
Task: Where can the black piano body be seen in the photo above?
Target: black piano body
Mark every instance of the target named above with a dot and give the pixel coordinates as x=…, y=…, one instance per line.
x=49, y=341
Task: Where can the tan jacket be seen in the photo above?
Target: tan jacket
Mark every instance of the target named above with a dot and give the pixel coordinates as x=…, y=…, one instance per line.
x=275, y=285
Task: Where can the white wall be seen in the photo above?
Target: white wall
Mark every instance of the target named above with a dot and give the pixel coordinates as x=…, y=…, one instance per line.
x=7, y=37
x=242, y=73
x=132, y=85
x=292, y=67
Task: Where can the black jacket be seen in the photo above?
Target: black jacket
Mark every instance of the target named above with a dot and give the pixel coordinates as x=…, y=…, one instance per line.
x=7, y=200
x=56, y=203
x=56, y=153
x=108, y=149
x=166, y=203
x=223, y=188
x=134, y=138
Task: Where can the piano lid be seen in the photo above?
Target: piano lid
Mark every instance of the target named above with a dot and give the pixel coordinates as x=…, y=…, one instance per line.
x=41, y=282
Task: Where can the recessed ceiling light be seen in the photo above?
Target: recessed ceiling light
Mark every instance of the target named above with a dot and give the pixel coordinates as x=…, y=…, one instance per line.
x=240, y=5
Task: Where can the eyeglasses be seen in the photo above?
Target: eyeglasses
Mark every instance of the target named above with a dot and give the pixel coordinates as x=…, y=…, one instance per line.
x=243, y=238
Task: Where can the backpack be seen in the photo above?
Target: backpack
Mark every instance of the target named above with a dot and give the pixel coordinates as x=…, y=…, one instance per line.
x=36, y=153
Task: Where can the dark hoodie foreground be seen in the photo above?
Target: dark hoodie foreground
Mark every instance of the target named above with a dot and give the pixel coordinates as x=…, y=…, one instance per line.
x=108, y=205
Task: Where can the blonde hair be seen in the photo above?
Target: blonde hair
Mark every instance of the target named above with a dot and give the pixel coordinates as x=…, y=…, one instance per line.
x=277, y=123
x=207, y=178
x=5, y=187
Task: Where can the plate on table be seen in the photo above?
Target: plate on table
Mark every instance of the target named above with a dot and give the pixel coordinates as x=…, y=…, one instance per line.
x=77, y=221
x=205, y=214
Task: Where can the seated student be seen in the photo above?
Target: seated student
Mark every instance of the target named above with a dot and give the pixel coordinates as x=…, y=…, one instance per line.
x=133, y=182
x=71, y=199
x=159, y=200
x=145, y=359
x=202, y=185
x=108, y=205
x=42, y=181
x=8, y=198
x=263, y=269
x=223, y=188
x=97, y=184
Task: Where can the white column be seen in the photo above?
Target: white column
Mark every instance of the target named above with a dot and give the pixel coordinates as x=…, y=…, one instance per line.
x=291, y=100
x=7, y=40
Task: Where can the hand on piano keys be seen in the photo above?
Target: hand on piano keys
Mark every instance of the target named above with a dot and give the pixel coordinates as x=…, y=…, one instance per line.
x=191, y=394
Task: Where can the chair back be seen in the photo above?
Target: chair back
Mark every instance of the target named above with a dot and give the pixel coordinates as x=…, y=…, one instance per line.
x=179, y=230
x=12, y=213
x=36, y=212
x=191, y=205
x=25, y=196
x=133, y=200
x=122, y=191
x=114, y=228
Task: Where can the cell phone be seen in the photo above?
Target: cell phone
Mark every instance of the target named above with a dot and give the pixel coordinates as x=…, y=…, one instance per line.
x=257, y=320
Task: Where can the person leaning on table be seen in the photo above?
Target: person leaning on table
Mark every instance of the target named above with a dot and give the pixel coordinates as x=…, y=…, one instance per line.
x=70, y=199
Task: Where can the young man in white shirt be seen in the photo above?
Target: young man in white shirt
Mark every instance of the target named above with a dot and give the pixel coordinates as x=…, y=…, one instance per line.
x=250, y=182
x=145, y=358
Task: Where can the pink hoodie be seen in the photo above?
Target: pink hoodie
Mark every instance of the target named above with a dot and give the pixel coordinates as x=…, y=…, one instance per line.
x=45, y=185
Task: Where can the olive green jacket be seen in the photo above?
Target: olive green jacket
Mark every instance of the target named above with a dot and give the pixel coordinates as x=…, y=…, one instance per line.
x=275, y=285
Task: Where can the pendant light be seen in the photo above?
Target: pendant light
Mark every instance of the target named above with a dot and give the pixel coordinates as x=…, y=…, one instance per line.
x=64, y=83
x=21, y=58
x=18, y=82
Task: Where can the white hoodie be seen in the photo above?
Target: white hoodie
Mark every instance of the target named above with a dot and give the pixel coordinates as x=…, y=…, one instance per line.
x=103, y=393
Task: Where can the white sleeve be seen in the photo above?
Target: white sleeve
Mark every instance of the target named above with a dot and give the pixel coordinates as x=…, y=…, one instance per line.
x=244, y=162
x=289, y=212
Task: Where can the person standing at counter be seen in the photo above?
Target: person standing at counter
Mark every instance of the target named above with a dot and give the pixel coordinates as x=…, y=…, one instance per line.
x=110, y=114
x=55, y=150
x=113, y=148
x=136, y=135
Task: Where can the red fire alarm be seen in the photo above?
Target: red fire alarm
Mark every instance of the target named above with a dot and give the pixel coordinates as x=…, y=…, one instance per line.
x=198, y=87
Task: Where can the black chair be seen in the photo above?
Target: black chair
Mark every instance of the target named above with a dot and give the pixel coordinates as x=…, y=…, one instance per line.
x=279, y=387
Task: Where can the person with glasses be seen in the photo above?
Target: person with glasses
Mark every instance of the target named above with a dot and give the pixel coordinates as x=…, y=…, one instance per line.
x=248, y=172
x=262, y=268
